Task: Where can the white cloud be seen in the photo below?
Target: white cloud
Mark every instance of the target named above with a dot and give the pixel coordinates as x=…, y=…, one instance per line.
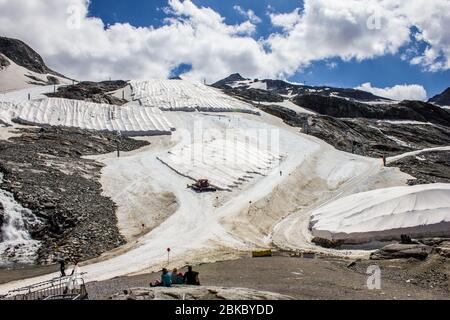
x=287, y=21
x=249, y=14
x=199, y=36
x=398, y=92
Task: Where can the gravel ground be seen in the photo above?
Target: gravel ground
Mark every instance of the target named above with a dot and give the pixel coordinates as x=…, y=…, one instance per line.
x=300, y=278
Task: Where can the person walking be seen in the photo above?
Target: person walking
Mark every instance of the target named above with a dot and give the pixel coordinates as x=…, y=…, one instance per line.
x=62, y=268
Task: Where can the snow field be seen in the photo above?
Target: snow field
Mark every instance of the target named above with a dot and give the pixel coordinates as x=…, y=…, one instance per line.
x=132, y=119
x=181, y=95
x=385, y=214
x=225, y=163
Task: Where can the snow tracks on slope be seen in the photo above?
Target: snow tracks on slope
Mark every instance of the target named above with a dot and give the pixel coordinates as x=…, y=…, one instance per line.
x=227, y=164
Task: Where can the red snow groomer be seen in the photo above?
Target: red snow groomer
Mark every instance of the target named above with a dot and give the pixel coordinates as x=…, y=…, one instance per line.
x=202, y=185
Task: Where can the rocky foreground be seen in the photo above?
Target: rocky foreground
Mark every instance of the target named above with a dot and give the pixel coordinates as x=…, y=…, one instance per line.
x=197, y=293
x=45, y=170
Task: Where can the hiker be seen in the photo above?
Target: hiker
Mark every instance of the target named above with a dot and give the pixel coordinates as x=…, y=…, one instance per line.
x=166, y=280
x=62, y=268
x=76, y=268
x=191, y=277
x=384, y=159
x=177, y=278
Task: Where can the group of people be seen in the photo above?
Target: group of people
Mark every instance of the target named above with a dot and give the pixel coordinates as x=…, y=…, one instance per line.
x=174, y=278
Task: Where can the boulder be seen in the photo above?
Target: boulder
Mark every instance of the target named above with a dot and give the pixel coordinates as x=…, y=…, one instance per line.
x=402, y=251
x=197, y=293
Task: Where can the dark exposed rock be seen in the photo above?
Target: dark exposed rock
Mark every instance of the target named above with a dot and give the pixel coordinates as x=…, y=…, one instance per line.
x=430, y=167
x=2, y=219
x=406, y=110
x=402, y=251
x=92, y=91
x=44, y=170
x=223, y=84
x=326, y=243
x=4, y=62
x=24, y=56
x=255, y=95
x=365, y=136
x=442, y=99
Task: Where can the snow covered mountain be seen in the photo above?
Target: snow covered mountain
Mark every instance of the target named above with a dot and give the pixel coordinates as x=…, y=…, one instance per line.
x=21, y=67
x=285, y=90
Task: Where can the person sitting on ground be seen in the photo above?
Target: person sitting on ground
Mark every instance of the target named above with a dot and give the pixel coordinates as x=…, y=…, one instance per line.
x=166, y=280
x=191, y=277
x=177, y=278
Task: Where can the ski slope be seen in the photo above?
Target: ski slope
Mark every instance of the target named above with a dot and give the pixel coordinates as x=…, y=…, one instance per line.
x=132, y=119
x=181, y=95
x=386, y=214
x=226, y=163
x=214, y=226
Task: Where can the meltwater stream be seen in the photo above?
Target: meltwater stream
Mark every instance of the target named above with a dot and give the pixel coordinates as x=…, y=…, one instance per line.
x=16, y=244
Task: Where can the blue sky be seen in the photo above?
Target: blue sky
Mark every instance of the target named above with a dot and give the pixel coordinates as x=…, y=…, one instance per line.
x=382, y=72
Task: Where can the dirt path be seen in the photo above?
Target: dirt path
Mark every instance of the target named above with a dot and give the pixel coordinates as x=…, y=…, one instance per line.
x=322, y=278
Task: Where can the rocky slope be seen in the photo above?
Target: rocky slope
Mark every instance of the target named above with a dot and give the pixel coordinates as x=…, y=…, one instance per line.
x=442, y=99
x=405, y=110
x=24, y=56
x=431, y=167
x=368, y=137
x=44, y=170
x=235, y=84
x=21, y=67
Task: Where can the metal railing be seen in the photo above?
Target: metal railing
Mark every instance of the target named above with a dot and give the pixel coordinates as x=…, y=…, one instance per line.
x=54, y=289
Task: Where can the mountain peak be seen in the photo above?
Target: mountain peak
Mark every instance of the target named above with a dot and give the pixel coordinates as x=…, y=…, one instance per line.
x=23, y=55
x=231, y=78
x=442, y=99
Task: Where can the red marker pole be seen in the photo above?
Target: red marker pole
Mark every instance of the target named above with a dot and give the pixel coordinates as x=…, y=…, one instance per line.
x=168, y=256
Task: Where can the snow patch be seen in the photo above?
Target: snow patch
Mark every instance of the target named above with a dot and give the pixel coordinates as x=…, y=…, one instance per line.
x=181, y=95
x=132, y=119
x=225, y=163
x=386, y=214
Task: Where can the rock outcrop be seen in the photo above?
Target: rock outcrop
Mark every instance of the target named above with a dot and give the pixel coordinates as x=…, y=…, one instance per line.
x=406, y=110
x=197, y=293
x=4, y=62
x=402, y=251
x=97, y=92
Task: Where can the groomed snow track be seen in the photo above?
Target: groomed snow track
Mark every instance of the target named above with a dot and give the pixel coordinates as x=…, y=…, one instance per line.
x=226, y=163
